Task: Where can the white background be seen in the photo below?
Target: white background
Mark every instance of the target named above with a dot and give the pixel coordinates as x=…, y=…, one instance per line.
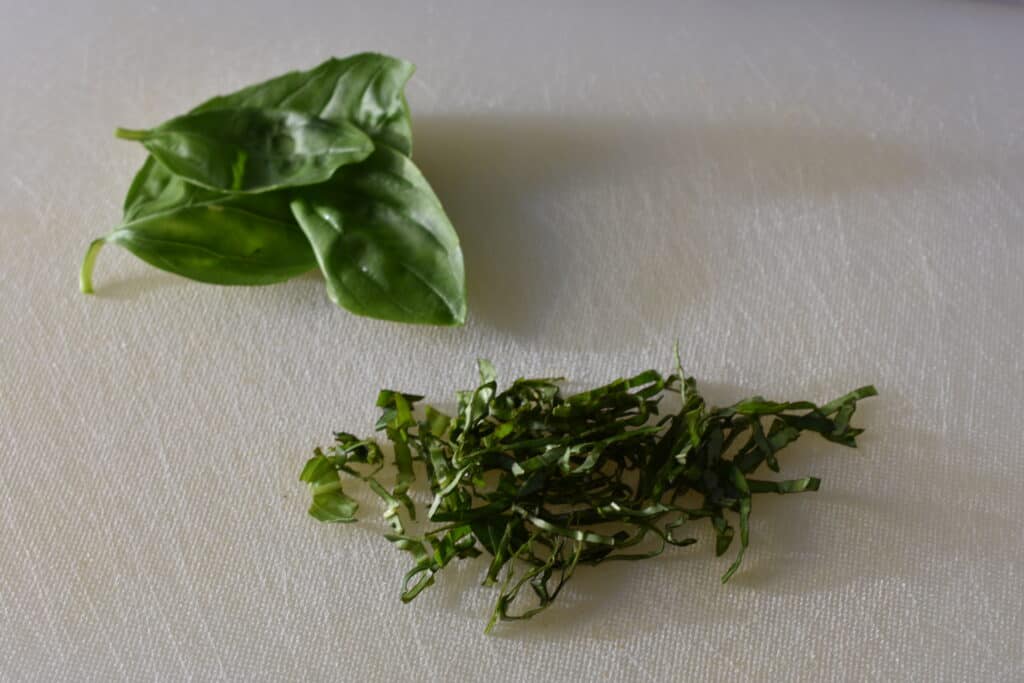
x=809, y=196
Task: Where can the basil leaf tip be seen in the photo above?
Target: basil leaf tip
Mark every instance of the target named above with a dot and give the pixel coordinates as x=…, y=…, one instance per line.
x=543, y=483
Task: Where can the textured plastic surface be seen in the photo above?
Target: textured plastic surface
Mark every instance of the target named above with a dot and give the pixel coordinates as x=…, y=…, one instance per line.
x=809, y=196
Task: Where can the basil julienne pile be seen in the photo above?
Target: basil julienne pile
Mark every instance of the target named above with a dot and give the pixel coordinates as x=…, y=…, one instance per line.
x=543, y=483
x=309, y=169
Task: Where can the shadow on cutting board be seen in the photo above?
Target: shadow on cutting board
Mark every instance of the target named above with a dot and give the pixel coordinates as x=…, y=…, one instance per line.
x=575, y=225
x=608, y=227
x=912, y=530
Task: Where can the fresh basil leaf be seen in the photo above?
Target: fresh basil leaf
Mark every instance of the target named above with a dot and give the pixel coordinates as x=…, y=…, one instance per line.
x=250, y=150
x=156, y=190
x=365, y=89
x=384, y=243
x=377, y=230
x=226, y=240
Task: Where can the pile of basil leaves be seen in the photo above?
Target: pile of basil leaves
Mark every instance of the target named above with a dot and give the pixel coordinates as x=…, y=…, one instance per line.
x=309, y=169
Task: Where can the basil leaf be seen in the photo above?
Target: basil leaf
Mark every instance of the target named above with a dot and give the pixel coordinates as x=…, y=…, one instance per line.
x=156, y=190
x=384, y=243
x=376, y=229
x=365, y=89
x=253, y=150
x=240, y=240
x=252, y=237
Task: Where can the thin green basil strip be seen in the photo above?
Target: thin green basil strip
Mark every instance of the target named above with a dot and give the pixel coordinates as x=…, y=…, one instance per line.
x=384, y=243
x=759, y=406
x=850, y=398
x=740, y=482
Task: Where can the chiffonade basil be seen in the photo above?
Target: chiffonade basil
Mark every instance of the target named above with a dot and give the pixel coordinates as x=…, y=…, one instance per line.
x=543, y=482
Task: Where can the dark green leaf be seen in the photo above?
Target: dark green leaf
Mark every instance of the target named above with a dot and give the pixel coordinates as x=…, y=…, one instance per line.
x=723, y=535
x=155, y=190
x=253, y=150
x=492, y=531
x=396, y=257
x=384, y=243
x=365, y=89
x=241, y=240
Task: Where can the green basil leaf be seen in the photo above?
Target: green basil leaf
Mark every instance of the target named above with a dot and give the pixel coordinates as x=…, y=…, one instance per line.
x=253, y=150
x=240, y=240
x=156, y=190
x=379, y=233
x=384, y=243
x=365, y=89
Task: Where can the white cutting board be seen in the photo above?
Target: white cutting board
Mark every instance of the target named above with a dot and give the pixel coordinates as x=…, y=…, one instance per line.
x=808, y=196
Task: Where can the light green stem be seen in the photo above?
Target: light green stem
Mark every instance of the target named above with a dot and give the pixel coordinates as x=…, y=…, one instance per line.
x=85, y=275
x=129, y=134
